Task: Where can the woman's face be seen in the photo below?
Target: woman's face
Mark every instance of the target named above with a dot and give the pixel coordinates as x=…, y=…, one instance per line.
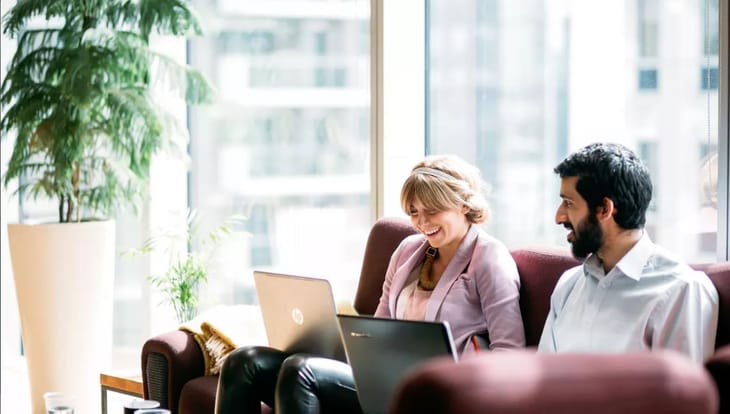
x=443, y=229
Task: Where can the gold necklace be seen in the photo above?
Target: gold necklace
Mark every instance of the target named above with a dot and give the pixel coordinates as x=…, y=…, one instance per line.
x=425, y=281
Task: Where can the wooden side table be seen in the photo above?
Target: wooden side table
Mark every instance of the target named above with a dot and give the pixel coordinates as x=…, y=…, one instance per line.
x=125, y=383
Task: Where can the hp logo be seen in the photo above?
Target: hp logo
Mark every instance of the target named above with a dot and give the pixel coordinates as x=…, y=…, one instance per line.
x=297, y=316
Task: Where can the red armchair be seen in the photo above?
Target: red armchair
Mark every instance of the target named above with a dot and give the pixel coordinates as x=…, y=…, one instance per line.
x=172, y=363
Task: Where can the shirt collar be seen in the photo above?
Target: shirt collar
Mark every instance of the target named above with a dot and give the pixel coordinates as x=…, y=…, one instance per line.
x=634, y=261
x=631, y=264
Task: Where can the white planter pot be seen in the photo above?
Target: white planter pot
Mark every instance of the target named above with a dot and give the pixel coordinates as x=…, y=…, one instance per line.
x=64, y=279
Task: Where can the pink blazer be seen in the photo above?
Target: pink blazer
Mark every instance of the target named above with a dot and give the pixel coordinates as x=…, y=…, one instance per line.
x=478, y=292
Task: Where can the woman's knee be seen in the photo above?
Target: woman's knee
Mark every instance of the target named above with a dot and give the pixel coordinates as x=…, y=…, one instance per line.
x=297, y=390
x=317, y=367
x=250, y=361
x=315, y=384
x=296, y=369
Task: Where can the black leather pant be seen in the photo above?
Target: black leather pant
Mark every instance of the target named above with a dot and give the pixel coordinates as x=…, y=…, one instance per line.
x=310, y=384
x=306, y=384
x=248, y=376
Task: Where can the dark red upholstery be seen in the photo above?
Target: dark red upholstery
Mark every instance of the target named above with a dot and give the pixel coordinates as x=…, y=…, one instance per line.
x=719, y=273
x=384, y=237
x=169, y=361
x=719, y=367
x=539, y=269
x=719, y=364
x=524, y=382
x=198, y=395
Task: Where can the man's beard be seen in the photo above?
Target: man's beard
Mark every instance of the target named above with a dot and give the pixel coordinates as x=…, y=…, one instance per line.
x=587, y=237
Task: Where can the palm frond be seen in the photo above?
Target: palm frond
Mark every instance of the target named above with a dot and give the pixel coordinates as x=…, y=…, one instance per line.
x=23, y=11
x=174, y=77
x=174, y=17
x=79, y=98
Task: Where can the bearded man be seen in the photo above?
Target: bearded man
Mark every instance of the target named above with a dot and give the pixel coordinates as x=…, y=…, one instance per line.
x=629, y=294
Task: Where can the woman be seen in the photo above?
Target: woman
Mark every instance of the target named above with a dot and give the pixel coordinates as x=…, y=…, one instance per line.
x=453, y=271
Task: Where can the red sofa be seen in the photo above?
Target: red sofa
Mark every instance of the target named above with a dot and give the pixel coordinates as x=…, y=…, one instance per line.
x=526, y=382
x=172, y=363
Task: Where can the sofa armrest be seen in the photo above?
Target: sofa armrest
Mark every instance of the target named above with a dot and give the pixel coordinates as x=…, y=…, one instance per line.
x=519, y=382
x=169, y=361
x=719, y=367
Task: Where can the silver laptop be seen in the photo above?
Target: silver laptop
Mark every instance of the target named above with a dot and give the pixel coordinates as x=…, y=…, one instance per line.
x=381, y=352
x=299, y=314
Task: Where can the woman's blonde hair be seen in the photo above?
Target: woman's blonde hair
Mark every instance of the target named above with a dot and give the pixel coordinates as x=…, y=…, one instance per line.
x=443, y=182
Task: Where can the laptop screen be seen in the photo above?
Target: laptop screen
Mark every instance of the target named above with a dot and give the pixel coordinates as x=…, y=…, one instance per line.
x=382, y=352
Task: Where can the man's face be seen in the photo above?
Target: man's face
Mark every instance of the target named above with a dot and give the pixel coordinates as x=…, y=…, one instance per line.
x=585, y=234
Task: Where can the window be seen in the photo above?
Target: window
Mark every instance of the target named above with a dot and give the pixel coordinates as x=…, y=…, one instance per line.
x=287, y=143
x=648, y=151
x=648, y=79
x=710, y=15
x=648, y=18
x=515, y=89
x=709, y=78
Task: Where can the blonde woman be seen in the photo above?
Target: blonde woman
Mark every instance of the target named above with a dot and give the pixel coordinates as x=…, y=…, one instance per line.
x=451, y=271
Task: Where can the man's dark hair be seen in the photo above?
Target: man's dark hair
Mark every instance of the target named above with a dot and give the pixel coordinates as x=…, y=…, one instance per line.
x=615, y=172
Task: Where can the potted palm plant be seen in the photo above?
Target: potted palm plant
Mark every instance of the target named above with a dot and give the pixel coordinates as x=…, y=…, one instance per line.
x=79, y=99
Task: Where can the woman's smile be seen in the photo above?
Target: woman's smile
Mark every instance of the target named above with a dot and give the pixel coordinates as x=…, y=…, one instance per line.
x=430, y=232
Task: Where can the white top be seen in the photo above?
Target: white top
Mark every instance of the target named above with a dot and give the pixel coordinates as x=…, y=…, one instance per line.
x=412, y=302
x=647, y=301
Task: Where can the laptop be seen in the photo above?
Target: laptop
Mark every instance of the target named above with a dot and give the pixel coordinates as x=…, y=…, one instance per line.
x=299, y=314
x=381, y=352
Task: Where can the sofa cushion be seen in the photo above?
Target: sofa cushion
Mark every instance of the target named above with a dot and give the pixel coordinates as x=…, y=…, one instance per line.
x=719, y=367
x=198, y=395
x=522, y=382
x=719, y=273
x=539, y=269
x=385, y=235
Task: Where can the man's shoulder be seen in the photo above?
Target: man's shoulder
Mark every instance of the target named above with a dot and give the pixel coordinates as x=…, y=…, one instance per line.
x=675, y=274
x=663, y=263
x=688, y=278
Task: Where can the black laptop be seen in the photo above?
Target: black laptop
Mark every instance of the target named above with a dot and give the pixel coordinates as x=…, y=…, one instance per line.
x=382, y=352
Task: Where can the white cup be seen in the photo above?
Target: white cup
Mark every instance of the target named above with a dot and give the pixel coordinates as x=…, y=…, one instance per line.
x=153, y=411
x=139, y=404
x=59, y=403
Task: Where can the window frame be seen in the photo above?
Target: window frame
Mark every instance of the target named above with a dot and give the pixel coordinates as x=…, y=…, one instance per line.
x=723, y=138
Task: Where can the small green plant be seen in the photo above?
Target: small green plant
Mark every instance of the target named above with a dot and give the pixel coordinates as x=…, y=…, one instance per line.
x=188, y=260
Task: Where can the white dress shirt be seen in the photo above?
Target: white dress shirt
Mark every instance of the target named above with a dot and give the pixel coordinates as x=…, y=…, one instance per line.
x=649, y=300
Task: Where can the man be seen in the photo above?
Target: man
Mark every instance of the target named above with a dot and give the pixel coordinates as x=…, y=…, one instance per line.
x=629, y=294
